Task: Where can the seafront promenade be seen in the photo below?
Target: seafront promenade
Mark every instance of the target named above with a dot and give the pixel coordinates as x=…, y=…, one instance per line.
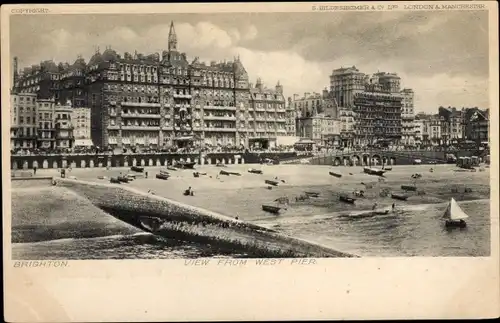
x=337, y=158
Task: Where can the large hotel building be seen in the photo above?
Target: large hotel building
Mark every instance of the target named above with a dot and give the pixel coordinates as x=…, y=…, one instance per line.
x=153, y=101
x=372, y=107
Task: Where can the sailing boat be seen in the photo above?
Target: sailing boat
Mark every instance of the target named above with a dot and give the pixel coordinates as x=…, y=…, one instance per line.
x=454, y=215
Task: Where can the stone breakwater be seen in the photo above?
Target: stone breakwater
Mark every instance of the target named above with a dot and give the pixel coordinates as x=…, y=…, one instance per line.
x=188, y=223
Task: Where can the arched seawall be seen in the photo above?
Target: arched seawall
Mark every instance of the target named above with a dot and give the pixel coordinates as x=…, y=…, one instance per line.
x=194, y=224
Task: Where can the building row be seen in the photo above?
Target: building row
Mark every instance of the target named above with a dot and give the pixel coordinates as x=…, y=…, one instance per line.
x=357, y=110
x=43, y=124
x=451, y=125
x=361, y=109
x=162, y=100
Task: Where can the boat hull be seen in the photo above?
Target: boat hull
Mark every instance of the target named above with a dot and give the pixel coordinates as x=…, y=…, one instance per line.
x=399, y=197
x=375, y=172
x=455, y=224
x=271, y=209
x=335, y=174
x=274, y=183
x=162, y=176
x=347, y=199
x=185, y=165
x=137, y=169
x=312, y=194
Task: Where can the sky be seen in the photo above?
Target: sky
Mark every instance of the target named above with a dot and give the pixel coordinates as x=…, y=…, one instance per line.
x=442, y=56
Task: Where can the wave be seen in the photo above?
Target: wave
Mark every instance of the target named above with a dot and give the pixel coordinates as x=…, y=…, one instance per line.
x=79, y=239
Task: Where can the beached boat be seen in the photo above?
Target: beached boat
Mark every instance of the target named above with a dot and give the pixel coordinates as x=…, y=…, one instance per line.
x=381, y=212
x=271, y=209
x=369, y=214
x=373, y=171
x=412, y=188
x=137, y=169
x=454, y=215
x=185, y=165
x=270, y=182
x=270, y=161
x=114, y=180
x=312, y=194
x=162, y=176
x=400, y=197
x=255, y=171
x=171, y=168
x=335, y=174
x=347, y=199
x=234, y=173
x=223, y=172
x=123, y=179
x=387, y=169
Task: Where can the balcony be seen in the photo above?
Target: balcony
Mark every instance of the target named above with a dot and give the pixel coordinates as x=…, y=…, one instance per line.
x=141, y=115
x=113, y=127
x=216, y=129
x=260, y=109
x=182, y=96
x=225, y=118
x=144, y=128
x=217, y=107
x=141, y=104
x=46, y=139
x=67, y=137
x=167, y=127
x=112, y=102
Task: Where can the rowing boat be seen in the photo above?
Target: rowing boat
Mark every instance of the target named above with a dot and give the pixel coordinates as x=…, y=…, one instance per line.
x=335, y=174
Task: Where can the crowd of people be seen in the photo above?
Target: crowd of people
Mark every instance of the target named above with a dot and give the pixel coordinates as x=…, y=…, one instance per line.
x=148, y=150
x=190, y=149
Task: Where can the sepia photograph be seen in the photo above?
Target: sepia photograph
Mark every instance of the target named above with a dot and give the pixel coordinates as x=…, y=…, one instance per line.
x=250, y=161
x=250, y=135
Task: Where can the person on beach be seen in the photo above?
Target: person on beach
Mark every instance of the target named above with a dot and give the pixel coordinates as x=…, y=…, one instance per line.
x=34, y=170
x=146, y=174
x=374, y=206
x=393, y=206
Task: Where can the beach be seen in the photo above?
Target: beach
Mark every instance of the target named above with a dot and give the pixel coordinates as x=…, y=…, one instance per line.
x=414, y=228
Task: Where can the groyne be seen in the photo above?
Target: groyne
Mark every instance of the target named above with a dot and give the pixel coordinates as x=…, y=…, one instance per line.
x=188, y=223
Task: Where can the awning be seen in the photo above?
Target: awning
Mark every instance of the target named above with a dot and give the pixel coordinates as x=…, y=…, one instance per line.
x=83, y=142
x=305, y=142
x=184, y=138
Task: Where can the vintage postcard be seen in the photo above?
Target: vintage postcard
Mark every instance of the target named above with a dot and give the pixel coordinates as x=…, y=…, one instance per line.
x=250, y=161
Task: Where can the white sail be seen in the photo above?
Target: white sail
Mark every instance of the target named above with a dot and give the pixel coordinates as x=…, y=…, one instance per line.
x=454, y=212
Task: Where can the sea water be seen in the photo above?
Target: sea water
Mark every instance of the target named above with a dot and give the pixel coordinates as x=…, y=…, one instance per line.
x=53, y=223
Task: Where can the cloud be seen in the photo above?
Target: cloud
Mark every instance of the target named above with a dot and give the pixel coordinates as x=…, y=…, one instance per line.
x=293, y=71
x=251, y=32
x=443, y=61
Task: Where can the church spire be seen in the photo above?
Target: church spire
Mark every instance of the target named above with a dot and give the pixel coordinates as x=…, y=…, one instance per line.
x=172, y=38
